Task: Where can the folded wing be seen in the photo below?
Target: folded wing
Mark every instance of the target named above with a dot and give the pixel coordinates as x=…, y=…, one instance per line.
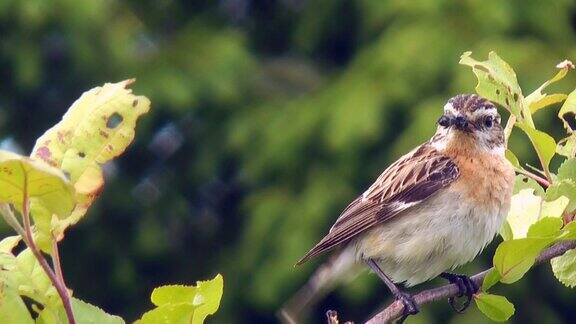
x=403, y=185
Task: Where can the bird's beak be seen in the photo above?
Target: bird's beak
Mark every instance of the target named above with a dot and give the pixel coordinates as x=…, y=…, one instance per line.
x=461, y=123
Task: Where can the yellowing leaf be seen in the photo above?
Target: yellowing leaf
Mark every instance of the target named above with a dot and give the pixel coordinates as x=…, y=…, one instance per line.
x=496, y=308
x=496, y=82
x=564, y=268
x=554, y=208
x=185, y=304
x=21, y=176
x=524, y=211
x=97, y=127
x=514, y=258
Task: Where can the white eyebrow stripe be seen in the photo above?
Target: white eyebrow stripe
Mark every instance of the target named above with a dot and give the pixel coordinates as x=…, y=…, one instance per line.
x=449, y=108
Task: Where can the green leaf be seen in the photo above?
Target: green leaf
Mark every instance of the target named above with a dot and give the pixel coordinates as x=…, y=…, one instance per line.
x=21, y=176
x=178, y=303
x=547, y=227
x=492, y=277
x=496, y=81
x=12, y=307
x=84, y=313
x=513, y=159
x=567, y=113
x=564, y=268
x=546, y=101
x=567, y=146
x=496, y=308
x=567, y=170
x=538, y=100
x=97, y=128
x=506, y=231
x=543, y=143
x=524, y=211
x=566, y=188
x=515, y=257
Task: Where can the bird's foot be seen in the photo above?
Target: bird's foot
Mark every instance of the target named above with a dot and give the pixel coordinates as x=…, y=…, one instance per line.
x=466, y=286
x=410, y=306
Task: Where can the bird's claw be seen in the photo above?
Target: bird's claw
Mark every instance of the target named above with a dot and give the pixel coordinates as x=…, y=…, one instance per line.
x=410, y=306
x=466, y=287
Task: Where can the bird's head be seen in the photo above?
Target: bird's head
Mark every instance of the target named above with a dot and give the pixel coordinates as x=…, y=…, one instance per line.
x=471, y=122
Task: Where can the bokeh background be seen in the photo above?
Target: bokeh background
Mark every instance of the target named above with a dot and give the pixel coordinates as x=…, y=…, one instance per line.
x=268, y=118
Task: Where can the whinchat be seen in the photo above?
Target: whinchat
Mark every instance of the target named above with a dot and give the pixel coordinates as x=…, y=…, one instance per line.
x=436, y=207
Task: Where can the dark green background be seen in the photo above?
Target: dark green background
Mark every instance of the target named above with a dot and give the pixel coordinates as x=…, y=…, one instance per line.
x=267, y=118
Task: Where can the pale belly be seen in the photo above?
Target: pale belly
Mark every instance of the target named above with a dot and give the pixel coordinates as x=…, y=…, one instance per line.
x=436, y=236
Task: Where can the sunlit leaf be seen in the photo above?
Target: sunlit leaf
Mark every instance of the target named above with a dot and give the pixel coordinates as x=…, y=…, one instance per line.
x=190, y=304
x=12, y=307
x=514, y=258
x=21, y=176
x=97, y=128
x=564, y=268
x=554, y=208
x=496, y=81
x=23, y=273
x=547, y=227
x=524, y=211
x=496, y=308
x=84, y=313
x=566, y=188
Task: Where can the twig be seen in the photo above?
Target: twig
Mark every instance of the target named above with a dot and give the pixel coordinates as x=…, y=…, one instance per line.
x=29, y=240
x=56, y=261
x=544, y=182
x=394, y=310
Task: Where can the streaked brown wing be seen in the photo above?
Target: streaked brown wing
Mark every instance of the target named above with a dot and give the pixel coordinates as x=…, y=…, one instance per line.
x=404, y=184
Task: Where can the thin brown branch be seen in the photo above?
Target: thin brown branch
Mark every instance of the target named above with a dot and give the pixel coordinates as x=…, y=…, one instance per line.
x=29, y=240
x=544, y=182
x=394, y=310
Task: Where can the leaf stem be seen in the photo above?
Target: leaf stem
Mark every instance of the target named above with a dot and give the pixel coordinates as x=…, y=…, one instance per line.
x=29, y=240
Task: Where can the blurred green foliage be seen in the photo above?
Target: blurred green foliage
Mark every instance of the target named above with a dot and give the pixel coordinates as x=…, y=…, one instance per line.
x=268, y=117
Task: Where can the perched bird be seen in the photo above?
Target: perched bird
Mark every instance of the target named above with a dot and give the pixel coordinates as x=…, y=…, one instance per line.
x=436, y=207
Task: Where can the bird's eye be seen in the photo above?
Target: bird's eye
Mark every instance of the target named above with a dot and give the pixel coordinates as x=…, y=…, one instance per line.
x=444, y=121
x=488, y=122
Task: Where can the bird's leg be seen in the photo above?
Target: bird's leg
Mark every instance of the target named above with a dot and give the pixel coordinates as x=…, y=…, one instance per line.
x=466, y=286
x=410, y=306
